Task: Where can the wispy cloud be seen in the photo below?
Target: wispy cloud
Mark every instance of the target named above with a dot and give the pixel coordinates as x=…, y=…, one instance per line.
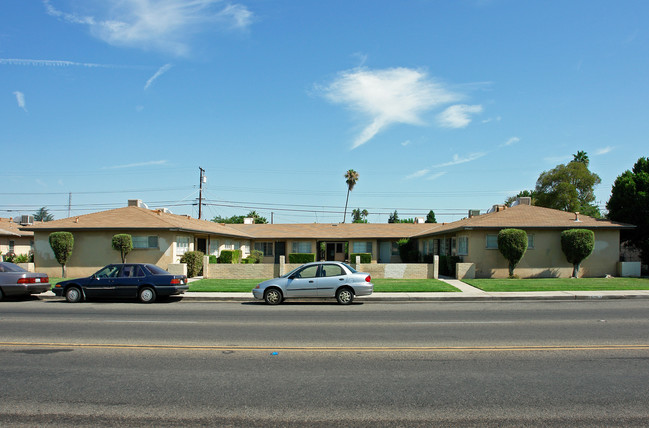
x=425, y=173
x=458, y=116
x=136, y=165
x=436, y=175
x=457, y=160
x=405, y=143
x=55, y=63
x=162, y=70
x=387, y=97
x=604, y=150
x=510, y=142
x=20, y=99
x=164, y=25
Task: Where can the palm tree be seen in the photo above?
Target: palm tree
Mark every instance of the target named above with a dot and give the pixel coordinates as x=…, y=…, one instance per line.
x=351, y=177
x=581, y=156
x=43, y=215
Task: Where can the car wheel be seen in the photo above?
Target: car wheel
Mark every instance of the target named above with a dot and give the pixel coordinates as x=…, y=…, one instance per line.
x=1, y=295
x=73, y=295
x=147, y=295
x=345, y=296
x=273, y=296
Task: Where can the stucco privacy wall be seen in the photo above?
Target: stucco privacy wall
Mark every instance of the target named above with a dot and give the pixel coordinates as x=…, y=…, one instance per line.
x=242, y=271
x=93, y=250
x=398, y=270
x=546, y=259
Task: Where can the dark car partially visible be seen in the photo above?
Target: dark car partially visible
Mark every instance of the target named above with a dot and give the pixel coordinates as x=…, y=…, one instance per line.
x=16, y=281
x=146, y=282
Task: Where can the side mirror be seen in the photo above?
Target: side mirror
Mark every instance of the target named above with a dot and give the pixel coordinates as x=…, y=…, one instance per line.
x=291, y=277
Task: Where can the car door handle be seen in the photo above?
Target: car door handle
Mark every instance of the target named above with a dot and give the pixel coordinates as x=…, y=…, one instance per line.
x=341, y=279
x=311, y=282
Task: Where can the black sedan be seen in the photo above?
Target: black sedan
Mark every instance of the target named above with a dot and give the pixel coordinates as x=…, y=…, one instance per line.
x=123, y=281
x=16, y=281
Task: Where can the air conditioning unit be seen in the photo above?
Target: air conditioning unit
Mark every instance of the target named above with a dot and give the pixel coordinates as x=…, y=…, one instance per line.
x=24, y=219
x=474, y=213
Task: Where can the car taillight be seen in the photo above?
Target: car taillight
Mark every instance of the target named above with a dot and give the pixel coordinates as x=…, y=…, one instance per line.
x=175, y=281
x=368, y=278
x=32, y=280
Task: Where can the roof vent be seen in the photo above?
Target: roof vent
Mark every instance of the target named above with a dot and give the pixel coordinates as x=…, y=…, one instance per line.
x=577, y=216
x=474, y=213
x=249, y=220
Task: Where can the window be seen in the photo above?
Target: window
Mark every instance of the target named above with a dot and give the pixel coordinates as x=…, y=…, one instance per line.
x=530, y=241
x=144, y=242
x=301, y=247
x=442, y=247
x=131, y=271
x=436, y=246
x=264, y=247
x=362, y=247
x=12, y=246
x=308, y=272
x=182, y=245
x=492, y=242
x=231, y=245
x=463, y=246
x=332, y=270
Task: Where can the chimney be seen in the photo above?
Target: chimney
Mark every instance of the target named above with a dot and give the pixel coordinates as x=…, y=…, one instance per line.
x=249, y=220
x=577, y=216
x=134, y=202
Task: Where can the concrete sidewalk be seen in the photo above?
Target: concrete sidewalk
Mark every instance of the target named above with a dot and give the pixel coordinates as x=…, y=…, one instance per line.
x=467, y=293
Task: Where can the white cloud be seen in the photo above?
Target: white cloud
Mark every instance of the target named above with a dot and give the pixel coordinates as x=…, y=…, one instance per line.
x=387, y=97
x=20, y=99
x=162, y=70
x=436, y=175
x=163, y=25
x=459, y=160
x=405, y=143
x=135, y=165
x=458, y=116
x=604, y=150
x=510, y=142
x=420, y=173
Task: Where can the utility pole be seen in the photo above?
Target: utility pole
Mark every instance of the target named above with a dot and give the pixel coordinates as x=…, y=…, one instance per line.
x=69, y=204
x=200, y=192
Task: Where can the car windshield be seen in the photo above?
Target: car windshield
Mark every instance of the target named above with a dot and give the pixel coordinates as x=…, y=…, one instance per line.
x=351, y=269
x=9, y=267
x=156, y=270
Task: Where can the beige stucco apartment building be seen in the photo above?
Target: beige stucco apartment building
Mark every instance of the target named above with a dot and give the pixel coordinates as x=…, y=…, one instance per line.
x=13, y=239
x=162, y=238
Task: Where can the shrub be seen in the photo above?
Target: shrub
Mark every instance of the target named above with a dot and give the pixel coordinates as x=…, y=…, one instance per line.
x=213, y=259
x=62, y=244
x=256, y=256
x=301, y=258
x=194, y=260
x=230, y=256
x=123, y=243
x=24, y=258
x=408, y=250
x=365, y=257
x=447, y=265
x=10, y=257
x=512, y=243
x=577, y=244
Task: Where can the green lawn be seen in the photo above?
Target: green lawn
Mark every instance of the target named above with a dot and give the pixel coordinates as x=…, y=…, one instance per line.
x=560, y=284
x=380, y=285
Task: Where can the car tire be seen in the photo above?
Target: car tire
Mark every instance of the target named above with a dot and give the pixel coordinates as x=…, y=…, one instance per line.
x=146, y=295
x=273, y=296
x=73, y=295
x=345, y=295
x=1, y=295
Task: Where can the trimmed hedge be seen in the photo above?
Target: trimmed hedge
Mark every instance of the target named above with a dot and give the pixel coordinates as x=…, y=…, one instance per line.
x=213, y=259
x=194, y=261
x=512, y=244
x=365, y=257
x=230, y=256
x=254, y=257
x=301, y=258
x=447, y=265
x=577, y=244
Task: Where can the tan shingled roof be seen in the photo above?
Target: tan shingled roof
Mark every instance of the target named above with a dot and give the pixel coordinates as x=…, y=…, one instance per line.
x=528, y=217
x=137, y=218
x=327, y=231
x=9, y=228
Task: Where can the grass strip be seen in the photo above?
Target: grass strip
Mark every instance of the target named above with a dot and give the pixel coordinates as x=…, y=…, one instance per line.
x=560, y=284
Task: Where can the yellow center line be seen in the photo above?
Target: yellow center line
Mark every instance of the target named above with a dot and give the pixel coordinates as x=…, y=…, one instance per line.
x=517, y=348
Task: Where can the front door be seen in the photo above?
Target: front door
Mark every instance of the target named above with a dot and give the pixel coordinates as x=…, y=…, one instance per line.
x=201, y=245
x=102, y=284
x=280, y=250
x=331, y=251
x=303, y=283
x=385, y=253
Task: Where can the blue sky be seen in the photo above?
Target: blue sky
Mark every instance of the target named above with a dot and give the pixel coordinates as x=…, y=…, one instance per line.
x=443, y=105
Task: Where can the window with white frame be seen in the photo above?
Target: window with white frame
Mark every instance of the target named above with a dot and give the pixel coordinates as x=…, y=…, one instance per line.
x=491, y=242
x=301, y=247
x=145, y=242
x=214, y=247
x=463, y=246
x=264, y=247
x=182, y=245
x=231, y=245
x=530, y=241
x=362, y=247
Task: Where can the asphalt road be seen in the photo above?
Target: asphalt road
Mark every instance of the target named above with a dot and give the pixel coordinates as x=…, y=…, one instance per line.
x=319, y=364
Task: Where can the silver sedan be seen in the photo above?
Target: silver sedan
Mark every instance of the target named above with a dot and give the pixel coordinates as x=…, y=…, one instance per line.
x=319, y=279
x=16, y=281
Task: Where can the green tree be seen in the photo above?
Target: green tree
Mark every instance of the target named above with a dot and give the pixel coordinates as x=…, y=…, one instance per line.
x=577, y=244
x=194, y=261
x=408, y=250
x=62, y=244
x=359, y=216
x=351, y=177
x=568, y=187
x=512, y=243
x=43, y=215
x=582, y=157
x=430, y=218
x=239, y=219
x=629, y=203
x=123, y=243
x=394, y=218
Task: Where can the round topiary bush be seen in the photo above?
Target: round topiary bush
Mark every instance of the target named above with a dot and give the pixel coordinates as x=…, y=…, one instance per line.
x=512, y=243
x=577, y=244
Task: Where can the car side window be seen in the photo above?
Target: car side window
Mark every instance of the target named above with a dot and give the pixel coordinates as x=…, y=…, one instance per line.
x=138, y=271
x=129, y=271
x=332, y=270
x=308, y=272
x=108, y=272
